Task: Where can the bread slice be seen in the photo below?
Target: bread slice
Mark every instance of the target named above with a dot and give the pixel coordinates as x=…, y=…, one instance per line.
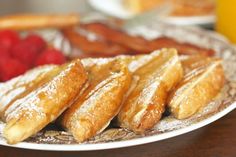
x=145, y=104
x=203, y=80
x=109, y=80
x=28, y=115
x=22, y=85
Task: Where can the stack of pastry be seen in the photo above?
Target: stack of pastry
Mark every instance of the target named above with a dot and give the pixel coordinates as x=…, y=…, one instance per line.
x=178, y=7
x=89, y=93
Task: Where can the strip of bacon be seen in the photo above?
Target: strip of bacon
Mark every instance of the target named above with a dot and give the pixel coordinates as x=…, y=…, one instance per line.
x=139, y=44
x=93, y=47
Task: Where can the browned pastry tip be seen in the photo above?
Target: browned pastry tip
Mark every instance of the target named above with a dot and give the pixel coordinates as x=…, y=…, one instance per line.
x=20, y=86
x=100, y=102
x=28, y=115
x=36, y=21
x=145, y=104
x=203, y=80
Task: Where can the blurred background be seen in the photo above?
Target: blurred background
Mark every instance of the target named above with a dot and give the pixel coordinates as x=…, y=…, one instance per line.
x=213, y=14
x=218, y=16
x=43, y=6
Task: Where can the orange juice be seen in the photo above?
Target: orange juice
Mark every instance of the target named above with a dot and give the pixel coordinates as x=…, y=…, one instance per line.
x=226, y=18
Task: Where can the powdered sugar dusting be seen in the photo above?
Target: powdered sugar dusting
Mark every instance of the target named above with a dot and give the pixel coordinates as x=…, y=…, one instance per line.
x=167, y=124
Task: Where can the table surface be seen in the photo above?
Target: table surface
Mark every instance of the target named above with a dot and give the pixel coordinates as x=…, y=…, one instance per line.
x=215, y=140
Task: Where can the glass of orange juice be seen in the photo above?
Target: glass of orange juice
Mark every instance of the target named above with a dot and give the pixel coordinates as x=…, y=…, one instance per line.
x=226, y=18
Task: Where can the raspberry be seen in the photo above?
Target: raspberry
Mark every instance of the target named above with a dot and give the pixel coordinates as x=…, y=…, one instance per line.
x=25, y=52
x=37, y=41
x=10, y=68
x=8, y=38
x=4, y=52
x=51, y=56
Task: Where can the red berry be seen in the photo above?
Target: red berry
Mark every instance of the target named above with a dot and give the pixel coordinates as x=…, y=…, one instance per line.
x=25, y=52
x=10, y=68
x=8, y=38
x=4, y=52
x=3, y=59
x=51, y=56
x=37, y=41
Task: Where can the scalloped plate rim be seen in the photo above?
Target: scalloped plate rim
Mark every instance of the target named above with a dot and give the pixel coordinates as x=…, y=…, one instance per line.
x=121, y=144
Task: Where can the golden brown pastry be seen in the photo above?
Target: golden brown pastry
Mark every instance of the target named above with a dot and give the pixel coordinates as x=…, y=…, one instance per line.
x=31, y=21
x=203, y=80
x=173, y=7
x=28, y=115
x=101, y=100
x=139, y=6
x=21, y=86
x=193, y=7
x=145, y=104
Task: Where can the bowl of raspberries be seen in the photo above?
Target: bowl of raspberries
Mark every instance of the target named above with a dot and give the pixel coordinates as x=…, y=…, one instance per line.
x=19, y=54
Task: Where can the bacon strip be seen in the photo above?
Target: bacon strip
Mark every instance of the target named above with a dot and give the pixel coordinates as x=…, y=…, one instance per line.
x=117, y=36
x=141, y=45
x=95, y=47
x=183, y=48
